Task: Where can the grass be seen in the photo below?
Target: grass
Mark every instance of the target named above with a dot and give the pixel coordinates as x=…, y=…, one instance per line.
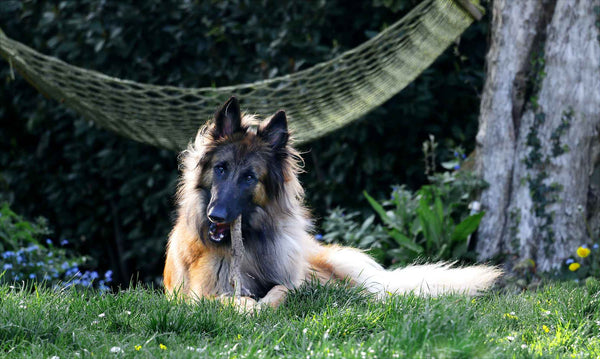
x=558, y=320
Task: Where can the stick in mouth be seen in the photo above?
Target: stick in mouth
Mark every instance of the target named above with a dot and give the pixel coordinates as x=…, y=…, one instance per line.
x=237, y=250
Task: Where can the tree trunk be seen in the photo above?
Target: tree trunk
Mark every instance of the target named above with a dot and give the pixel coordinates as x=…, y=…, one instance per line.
x=538, y=144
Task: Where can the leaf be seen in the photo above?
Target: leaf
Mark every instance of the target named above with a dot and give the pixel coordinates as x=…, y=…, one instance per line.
x=466, y=227
x=378, y=208
x=430, y=224
x=406, y=242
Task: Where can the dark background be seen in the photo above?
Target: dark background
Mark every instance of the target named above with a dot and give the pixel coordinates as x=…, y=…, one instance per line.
x=113, y=198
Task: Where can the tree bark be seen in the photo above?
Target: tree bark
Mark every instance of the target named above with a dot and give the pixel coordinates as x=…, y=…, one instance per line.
x=538, y=144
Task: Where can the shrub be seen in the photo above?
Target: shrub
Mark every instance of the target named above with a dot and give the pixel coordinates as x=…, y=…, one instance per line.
x=434, y=222
x=25, y=257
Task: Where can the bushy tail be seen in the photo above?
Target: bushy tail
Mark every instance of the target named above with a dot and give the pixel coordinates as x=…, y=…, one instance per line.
x=427, y=279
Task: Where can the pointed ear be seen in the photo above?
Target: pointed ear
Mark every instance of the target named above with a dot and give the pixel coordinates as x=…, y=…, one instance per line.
x=228, y=119
x=276, y=132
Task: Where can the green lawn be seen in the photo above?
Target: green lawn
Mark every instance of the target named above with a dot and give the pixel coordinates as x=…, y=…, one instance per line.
x=558, y=320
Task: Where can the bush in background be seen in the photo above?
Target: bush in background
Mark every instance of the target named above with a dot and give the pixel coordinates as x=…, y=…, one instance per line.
x=27, y=256
x=433, y=223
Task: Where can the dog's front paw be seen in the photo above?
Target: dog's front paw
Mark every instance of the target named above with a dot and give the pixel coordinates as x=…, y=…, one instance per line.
x=245, y=305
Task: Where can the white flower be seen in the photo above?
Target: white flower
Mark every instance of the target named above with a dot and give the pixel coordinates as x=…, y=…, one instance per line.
x=127, y=312
x=116, y=350
x=101, y=315
x=475, y=207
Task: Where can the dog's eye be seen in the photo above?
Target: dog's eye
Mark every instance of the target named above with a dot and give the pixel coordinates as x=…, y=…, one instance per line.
x=250, y=178
x=219, y=170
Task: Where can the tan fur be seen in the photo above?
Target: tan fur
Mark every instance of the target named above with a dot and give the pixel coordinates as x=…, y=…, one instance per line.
x=195, y=269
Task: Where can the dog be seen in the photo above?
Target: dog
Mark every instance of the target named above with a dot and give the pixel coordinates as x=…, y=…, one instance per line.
x=236, y=166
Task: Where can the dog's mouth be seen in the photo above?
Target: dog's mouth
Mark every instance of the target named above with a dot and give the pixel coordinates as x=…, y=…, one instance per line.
x=217, y=232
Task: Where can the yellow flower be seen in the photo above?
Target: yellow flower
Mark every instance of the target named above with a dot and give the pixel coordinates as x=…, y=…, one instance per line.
x=574, y=266
x=583, y=252
x=162, y=346
x=546, y=329
x=510, y=315
x=138, y=347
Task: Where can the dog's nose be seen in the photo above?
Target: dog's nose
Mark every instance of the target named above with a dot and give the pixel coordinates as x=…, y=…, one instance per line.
x=217, y=215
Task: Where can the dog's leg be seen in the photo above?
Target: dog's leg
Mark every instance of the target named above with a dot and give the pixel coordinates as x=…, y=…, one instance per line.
x=242, y=304
x=275, y=296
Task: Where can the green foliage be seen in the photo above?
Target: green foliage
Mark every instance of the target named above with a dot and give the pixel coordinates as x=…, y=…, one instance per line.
x=15, y=232
x=25, y=258
x=434, y=222
x=318, y=321
x=113, y=197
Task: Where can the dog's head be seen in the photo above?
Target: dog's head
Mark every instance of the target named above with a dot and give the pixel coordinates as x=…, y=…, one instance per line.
x=243, y=170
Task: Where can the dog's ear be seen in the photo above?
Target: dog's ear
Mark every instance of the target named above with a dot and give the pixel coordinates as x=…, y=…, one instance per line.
x=228, y=119
x=275, y=132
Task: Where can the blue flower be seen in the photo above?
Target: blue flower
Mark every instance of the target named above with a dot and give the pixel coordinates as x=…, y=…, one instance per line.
x=8, y=254
x=7, y=266
x=94, y=275
x=20, y=258
x=73, y=271
x=584, y=246
x=595, y=246
x=64, y=242
x=65, y=265
x=463, y=156
x=48, y=241
x=318, y=237
x=457, y=167
x=47, y=277
x=455, y=153
x=32, y=276
x=569, y=261
x=32, y=248
x=108, y=276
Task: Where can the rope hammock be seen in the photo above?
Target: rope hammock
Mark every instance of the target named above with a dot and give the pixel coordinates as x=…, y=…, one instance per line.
x=318, y=100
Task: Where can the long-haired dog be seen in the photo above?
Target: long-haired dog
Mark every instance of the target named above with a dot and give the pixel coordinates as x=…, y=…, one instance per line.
x=236, y=166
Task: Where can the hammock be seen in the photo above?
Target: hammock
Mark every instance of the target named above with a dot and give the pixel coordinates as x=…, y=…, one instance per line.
x=318, y=100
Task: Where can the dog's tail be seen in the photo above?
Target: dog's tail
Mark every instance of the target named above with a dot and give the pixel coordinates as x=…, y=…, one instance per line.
x=427, y=279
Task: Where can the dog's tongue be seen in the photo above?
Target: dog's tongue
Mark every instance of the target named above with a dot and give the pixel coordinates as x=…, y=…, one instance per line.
x=217, y=231
x=221, y=228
